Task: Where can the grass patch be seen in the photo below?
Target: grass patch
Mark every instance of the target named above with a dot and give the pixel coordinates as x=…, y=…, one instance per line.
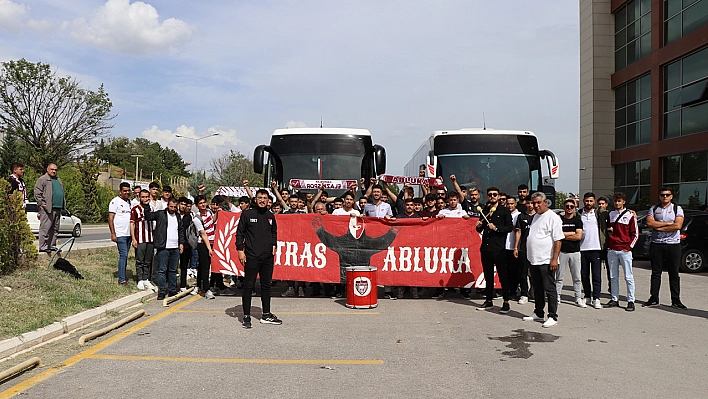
x=40, y=295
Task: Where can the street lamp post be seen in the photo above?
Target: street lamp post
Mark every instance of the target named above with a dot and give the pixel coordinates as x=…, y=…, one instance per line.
x=137, y=157
x=196, y=145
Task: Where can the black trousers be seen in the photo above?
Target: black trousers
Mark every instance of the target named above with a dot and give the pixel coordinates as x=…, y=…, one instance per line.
x=665, y=256
x=544, y=285
x=203, y=267
x=591, y=261
x=513, y=266
x=185, y=259
x=489, y=260
x=253, y=269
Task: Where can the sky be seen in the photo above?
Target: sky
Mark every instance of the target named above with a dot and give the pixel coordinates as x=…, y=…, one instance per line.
x=401, y=69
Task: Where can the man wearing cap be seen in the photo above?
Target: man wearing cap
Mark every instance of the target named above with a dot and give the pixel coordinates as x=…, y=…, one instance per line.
x=166, y=195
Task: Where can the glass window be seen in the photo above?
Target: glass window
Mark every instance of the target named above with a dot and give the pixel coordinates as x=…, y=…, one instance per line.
x=691, y=170
x=632, y=32
x=686, y=95
x=633, y=113
x=672, y=167
x=681, y=17
x=694, y=167
x=632, y=179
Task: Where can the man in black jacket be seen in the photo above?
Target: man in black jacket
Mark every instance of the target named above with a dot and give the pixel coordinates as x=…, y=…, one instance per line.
x=256, y=241
x=168, y=239
x=495, y=225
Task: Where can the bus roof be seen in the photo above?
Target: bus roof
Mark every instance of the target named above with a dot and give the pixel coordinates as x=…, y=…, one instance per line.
x=322, y=130
x=477, y=130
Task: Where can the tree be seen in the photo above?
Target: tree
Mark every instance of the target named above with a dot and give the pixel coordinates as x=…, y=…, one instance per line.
x=233, y=168
x=89, y=169
x=52, y=116
x=16, y=239
x=155, y=159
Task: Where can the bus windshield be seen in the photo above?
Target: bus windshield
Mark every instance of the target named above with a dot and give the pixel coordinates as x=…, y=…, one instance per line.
x=323, y=156
x=505, y=171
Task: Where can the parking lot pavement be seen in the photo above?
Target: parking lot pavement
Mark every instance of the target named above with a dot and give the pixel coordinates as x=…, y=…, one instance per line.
x=404, y=348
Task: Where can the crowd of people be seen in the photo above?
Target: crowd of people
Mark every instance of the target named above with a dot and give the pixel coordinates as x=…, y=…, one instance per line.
x=527, y=244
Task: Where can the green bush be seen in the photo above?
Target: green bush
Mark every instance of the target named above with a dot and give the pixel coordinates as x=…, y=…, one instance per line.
x=16, y=239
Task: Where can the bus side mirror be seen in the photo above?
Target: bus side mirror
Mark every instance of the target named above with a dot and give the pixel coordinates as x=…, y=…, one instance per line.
x=258, y=155
x=380, y=159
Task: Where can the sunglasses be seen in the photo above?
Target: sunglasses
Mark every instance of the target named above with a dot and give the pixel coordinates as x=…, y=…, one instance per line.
x=492, y=194
x=502, y=198
x=570, y=207
x=665, y=195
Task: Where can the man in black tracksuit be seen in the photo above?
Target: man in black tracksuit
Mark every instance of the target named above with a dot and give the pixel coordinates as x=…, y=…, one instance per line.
x=256, y=241
x=494, y=229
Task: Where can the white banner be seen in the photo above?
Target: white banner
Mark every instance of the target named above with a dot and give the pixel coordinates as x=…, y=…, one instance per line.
x=326, y=184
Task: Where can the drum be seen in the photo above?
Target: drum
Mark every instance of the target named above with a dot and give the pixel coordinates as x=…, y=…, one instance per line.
x=361, y=287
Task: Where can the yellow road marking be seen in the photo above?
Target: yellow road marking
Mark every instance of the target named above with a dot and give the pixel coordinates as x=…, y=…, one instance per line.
x=29, y=383
x=304, y=313
x=233, y=360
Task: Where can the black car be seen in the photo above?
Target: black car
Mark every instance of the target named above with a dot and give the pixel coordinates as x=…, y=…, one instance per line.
x=694, y=240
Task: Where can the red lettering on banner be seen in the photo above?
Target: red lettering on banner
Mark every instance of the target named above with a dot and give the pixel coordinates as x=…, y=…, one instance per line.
x=407, y=252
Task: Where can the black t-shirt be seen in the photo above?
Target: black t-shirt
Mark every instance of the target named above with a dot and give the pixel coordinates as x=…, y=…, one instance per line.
x=569, y=226
x=470, y=209
x=523, y=223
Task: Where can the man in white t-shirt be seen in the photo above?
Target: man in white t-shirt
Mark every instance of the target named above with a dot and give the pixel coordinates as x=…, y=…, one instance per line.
x=119, y=224
x=453, y=210
x=543, y=248
x=347, y=206
x=377, y=208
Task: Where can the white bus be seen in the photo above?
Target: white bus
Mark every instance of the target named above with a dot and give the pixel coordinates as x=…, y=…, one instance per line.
x=319, y=154
x=485, y=157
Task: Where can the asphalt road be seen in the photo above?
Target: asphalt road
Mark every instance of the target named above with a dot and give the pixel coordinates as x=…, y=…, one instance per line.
x=404, y=348
x=91, y=236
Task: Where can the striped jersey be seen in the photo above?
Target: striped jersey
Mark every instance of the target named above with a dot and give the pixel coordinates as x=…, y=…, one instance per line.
x=143, y=228
x=208, y=226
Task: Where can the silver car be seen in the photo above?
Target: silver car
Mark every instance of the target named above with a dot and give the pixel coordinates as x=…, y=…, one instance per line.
x=68, y=223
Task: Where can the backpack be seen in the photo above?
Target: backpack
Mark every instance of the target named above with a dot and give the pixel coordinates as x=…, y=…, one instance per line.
x=193, y=234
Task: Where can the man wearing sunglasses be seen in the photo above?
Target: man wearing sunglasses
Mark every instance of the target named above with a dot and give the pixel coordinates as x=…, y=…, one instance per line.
x=570, y=252
x=666, y=220
x=495, y=225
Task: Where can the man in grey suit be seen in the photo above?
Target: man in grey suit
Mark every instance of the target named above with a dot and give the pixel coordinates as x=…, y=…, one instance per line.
x=49, y=194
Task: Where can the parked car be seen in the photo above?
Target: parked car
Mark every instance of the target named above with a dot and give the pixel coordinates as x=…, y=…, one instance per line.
x=68, y=223
x=694, y=241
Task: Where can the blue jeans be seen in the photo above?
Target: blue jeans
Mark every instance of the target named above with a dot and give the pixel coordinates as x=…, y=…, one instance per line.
x=123, y=246
x=614, y=260
x=168, y=260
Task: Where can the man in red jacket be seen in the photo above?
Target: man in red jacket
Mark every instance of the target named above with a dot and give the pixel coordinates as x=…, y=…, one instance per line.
x=624, y=235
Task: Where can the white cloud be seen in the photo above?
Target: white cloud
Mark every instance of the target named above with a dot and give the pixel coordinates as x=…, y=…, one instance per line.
x=12, y=15
x=292, y=124
x=211, y=147
x=130, y=28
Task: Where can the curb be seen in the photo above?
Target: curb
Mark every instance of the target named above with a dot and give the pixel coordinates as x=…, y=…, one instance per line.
x=28, y=340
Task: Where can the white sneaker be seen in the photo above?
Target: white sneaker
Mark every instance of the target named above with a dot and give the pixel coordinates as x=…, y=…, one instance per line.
x=550, y=322
x=141, y=285
x=596, y=304
x=209, y=295
x=301, y=292
x=195, y=291
x=523, y=300
x=533, y=317
x=149, y=286
x=581, y=302
x=183, y=289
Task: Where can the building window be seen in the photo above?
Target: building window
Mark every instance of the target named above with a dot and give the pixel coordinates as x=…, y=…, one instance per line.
x=632, y=32
x=633, y=113
x=682, y=17
x=686, y=95
x=687, y=175
x=633, y=180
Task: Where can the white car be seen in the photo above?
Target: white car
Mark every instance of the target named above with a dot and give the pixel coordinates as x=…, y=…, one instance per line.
x=68, y=223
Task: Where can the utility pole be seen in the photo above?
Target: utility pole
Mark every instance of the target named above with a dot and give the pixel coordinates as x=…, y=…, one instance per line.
x=137, y=158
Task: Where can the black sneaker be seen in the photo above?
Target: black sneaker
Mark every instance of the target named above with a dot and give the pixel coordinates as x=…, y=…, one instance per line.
x=505, y=308
x=246, y=322
x=630, y=307
x=486, y=305
x=678, y=305
x=173, y=293
x=611, y=304
x=651, y=302
x=270, y=318
x=160, y=297
x=390, y=295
